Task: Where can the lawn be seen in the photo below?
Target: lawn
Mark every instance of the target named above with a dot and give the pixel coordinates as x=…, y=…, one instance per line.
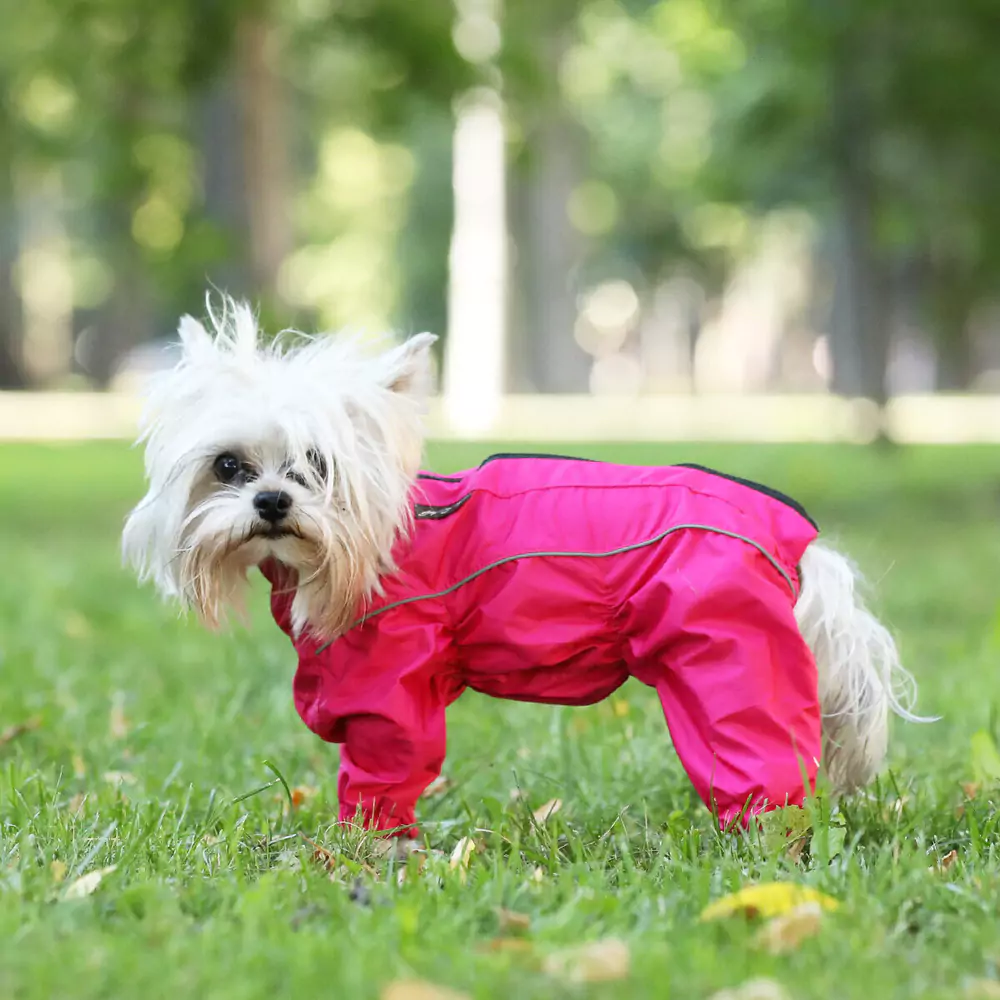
x=151, y=746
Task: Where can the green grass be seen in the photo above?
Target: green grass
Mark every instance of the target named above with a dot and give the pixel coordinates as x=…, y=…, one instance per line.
x=216, y=894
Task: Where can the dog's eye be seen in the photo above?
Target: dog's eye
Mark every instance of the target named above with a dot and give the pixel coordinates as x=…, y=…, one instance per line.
x=227, y=467
x=318, y=462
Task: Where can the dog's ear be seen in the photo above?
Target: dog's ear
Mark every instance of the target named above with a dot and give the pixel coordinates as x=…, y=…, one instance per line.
x=407, y=368
x=195, y=340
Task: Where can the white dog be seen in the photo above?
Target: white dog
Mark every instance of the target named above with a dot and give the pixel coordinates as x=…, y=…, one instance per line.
x=305, y=460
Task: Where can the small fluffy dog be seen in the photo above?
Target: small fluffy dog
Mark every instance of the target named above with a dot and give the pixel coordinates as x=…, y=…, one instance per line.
x=533, y=578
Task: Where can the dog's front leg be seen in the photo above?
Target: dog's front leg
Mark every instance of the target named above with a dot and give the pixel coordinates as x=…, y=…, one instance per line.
x=387, y=761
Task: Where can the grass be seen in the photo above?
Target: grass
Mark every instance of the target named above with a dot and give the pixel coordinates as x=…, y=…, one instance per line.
x=153, y=740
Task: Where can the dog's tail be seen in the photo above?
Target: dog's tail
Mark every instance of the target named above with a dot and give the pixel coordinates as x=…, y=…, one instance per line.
x=860, y=675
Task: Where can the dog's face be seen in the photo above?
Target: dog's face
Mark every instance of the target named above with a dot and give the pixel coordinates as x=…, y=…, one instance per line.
x=305, y=455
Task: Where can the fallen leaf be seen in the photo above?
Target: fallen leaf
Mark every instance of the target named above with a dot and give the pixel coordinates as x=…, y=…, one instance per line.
x=787, y=932
x=598, y=962
x=416, y=989
x=118, y=778
x=945, y=863
x=970, y=788
x=58, y=870
x=79, y=768
x=768, y=899
x=117, y=723
x=754, y=989
x=513, y=921
x=982, y=989
x=301, y=794
x=327, y=859
x=515, y=944
x=543, y=813
x=85, y=885
x=75, y=804
x=11, y=733
x=439, y=786
x=461, y=856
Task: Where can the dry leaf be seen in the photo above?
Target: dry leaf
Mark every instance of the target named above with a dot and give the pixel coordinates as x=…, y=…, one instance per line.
x=982, y=989
x=461, y=856
x=550, y=808
x=769, y=899
x=438, y=786
x=415, y=989
x=945, y=863
x=58, y=870
x=11, y=733
x=513, y=921
x=75, y=804
x=516, y=944
x=970, y=788
x=117, y=723
x=787, y=932
x=87, y=884
x=321, y=855
x=754, y=989
x=118, y=778
x=79, y=768
x=301, y=794
x=599, y=962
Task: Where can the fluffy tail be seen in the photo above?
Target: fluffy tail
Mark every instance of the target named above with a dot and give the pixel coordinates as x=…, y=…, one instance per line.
x=860, y=676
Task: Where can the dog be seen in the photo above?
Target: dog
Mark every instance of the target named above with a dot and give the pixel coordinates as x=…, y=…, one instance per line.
x=534, y=578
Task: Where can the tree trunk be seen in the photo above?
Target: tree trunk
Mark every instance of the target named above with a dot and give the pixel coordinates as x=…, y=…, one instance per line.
x=12, y=374
x=266, y=151
x=951, y=312
x=859, y=337
x=225, y=205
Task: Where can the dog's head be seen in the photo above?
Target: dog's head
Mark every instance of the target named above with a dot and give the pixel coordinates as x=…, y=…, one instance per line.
x=304, y=453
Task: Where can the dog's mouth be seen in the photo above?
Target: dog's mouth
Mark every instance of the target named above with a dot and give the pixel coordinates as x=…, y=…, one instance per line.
x=275, y=532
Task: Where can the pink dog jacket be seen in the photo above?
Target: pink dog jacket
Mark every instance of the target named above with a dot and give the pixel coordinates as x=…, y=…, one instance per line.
x=545, y=579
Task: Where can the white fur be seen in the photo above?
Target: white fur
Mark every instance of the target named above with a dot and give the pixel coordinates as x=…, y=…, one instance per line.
x=273, y=404
x=860, y=674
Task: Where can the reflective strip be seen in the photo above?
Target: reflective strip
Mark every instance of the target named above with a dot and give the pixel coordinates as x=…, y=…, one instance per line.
x=572, y=555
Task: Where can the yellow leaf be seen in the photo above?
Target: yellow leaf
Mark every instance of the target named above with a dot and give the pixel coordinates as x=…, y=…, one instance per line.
x=87, y=884
x=769, y=899
x=945, y=863
x=415, y=989
x=119, y=778
x=754, y=989
x=542, y=813
x=79, y=768
x=117, y=723
x=461, y=856
x=787, y=932
x=58, y=869
x=19, y=729
x=598, y=962
x=512, y=921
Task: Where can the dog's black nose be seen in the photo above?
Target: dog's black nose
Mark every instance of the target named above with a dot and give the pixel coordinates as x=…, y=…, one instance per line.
x=272, y=506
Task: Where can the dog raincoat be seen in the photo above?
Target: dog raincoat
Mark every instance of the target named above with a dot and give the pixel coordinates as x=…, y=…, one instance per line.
x=554, y=580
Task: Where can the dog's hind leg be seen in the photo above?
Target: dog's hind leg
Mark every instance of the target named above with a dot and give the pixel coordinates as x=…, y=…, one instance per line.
x=860, y=675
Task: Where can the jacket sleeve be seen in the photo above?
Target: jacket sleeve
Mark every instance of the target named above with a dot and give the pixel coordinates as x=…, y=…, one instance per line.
x=737, y=682
x=381, y=693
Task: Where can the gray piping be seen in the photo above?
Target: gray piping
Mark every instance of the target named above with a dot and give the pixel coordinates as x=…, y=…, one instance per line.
x=572, y=555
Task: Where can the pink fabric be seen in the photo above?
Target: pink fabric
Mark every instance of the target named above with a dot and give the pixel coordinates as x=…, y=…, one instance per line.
x=703, y=616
